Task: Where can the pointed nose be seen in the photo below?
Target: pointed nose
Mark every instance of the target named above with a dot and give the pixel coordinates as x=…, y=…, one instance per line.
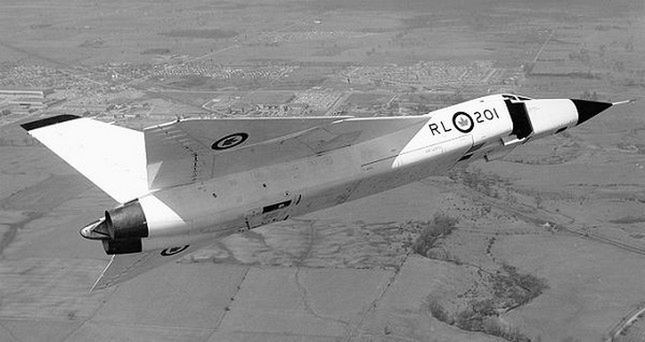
x=589, y=109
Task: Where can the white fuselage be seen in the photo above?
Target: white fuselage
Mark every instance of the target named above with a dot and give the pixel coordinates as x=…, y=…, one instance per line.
x=248, y=199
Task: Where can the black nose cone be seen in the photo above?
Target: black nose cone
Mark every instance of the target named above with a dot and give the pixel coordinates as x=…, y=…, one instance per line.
x=589, y=109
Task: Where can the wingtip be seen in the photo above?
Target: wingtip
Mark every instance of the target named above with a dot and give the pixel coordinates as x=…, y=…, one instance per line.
x=100, y=284
x=97, y=287
x=48, y=121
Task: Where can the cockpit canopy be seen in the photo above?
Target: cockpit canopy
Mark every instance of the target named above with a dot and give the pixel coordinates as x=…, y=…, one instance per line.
x=516, y=97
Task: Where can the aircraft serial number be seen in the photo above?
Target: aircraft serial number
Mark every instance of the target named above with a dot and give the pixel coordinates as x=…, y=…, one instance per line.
x=463, y=121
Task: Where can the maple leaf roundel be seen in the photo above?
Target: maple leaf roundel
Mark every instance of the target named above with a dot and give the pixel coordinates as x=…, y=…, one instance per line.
x=463, y=122
x=229, y=141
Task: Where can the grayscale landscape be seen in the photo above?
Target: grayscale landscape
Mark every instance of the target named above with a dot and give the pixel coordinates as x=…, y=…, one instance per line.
x=545, y=245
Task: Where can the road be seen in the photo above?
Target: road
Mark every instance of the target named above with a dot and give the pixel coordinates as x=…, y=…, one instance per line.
x=536, y=215
x=631, y=317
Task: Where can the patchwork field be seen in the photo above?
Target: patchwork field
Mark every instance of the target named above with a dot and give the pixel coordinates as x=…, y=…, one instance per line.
x=545, y=245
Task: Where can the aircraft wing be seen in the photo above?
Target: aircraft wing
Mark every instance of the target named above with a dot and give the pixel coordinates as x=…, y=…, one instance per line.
x=124, y=267
x=187, y=151
x=182, y=152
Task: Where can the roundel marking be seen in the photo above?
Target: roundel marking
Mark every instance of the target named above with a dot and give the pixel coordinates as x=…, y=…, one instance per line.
x=463, y=122
x=229, y=141
x=173, y=250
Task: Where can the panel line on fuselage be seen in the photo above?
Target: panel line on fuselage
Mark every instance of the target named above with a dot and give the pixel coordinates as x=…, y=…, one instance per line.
x=411, y=151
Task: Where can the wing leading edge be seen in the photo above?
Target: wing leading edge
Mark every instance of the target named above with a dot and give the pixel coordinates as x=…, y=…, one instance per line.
x=187, y=151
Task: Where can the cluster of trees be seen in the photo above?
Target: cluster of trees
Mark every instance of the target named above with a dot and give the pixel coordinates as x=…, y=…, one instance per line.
x=441, y=226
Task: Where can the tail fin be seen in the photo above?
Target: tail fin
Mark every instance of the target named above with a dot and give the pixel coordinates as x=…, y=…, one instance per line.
x=112, y=157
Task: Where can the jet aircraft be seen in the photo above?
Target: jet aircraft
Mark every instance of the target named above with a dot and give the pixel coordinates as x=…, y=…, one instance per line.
x=186, y=183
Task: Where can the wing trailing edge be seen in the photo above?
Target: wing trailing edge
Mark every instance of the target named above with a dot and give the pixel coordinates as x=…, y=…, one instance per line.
x=123, y=267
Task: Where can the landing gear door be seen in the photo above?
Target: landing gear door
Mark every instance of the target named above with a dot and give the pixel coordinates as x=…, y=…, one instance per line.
x=507, y=145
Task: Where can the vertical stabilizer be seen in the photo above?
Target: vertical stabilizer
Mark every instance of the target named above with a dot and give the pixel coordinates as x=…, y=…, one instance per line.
x=110, y=156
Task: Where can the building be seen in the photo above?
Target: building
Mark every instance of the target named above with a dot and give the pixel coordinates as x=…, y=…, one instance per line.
x=23, y=100
x=24, y=93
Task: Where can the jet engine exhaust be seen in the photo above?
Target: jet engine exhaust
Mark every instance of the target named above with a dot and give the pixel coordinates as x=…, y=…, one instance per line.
x=121, y=229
